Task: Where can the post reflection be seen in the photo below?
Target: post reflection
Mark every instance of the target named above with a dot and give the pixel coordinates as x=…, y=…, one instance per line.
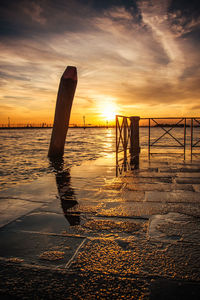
x=65, y=191
x=123, y=165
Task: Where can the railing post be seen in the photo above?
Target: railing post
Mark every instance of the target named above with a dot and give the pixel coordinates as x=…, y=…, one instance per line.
x=134, y=141
x=149, y=139
x=116, y=142
x=191, y=137
x=65, y=98
x=125, y=143
x=184, y=136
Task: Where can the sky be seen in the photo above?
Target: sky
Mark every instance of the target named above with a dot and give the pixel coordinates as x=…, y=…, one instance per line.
x=133, y=57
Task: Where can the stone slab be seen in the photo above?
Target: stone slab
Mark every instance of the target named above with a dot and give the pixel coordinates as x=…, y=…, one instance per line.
x=37, y=249
x=183, y=208
x=169, y=170
x=132, y=209
x=43, y=189
x=184, y=187
x=188, y=175
x=149, y=179
x=42, y=222
x=152, y=174
x=132, y=196
x=113, y=227
x=166, y=289
x=165, y=187
x=147, y=209
x=97, y=194
x=140, y=258
x=173, y=227
x=188, y=180
x=196, y=187
x=176, y=196
x=180, y=169
x=19, y=282
x=11, y=209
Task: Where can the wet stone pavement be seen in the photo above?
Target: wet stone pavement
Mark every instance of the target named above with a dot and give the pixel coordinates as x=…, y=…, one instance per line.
x=84, y=233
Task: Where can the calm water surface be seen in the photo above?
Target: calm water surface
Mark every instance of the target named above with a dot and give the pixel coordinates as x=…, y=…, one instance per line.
x=23, y=153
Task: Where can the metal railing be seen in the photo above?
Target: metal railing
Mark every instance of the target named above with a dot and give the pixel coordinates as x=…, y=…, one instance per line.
x=127, y=137
x=122, y=142
x=178, y=142
x=194, y=142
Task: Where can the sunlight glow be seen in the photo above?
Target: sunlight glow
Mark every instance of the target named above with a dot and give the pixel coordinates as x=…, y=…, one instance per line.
x=109, y=111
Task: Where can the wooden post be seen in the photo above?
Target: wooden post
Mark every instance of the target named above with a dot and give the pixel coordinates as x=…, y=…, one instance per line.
x=65, y=98
x=134, y=141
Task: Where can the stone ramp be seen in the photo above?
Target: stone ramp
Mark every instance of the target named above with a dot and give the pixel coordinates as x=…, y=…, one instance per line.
x=133, y=237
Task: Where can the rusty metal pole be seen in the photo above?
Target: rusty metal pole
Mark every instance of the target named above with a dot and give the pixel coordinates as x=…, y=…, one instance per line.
x=135, y=141
x=65, y=98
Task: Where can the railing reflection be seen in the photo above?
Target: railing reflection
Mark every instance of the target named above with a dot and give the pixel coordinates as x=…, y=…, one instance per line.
x=66, y=192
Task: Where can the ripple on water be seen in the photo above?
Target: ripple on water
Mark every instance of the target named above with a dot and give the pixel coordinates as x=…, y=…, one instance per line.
x=23, y=153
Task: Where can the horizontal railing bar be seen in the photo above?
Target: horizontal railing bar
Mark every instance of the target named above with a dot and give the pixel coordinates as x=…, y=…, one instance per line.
x=119, y=116
x=164, y=118
x=119, y=151
x=121, y=159
x=172, y=118
x=169, y=146
x=167, y=153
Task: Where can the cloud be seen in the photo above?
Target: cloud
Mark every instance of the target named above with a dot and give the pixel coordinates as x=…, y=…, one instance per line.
x=24, y=18
x=119, y=13
x=154, y=14
x=184, y=16
x=35, y=11
x=6, y=108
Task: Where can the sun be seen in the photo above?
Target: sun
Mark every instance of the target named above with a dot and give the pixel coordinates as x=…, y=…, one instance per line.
x=109, y=111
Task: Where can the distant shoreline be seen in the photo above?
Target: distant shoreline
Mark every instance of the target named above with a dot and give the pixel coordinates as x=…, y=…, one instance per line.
x=95, y=126
x=50, y=127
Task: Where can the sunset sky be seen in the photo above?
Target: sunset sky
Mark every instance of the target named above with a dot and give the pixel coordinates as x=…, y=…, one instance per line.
x=133, y=58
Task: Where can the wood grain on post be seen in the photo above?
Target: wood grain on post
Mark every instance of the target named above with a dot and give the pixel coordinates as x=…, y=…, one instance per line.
x=135, y=140
x=65, y=98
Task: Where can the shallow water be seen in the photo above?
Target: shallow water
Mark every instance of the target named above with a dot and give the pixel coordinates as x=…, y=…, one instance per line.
x=23, y=153
x=142, y=223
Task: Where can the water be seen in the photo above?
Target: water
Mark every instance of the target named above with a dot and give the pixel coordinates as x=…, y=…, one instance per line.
x=145, y=222
x=23, y=153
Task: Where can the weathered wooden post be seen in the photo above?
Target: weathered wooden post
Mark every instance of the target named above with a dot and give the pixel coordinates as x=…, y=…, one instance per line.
x=65, y=98
x=134, y=141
